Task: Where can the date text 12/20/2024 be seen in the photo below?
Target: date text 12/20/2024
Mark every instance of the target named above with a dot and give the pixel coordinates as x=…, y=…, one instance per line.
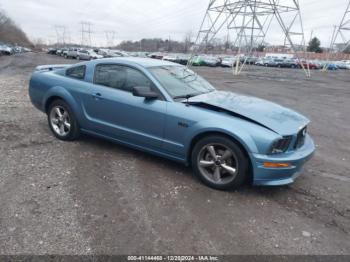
x=173, y=258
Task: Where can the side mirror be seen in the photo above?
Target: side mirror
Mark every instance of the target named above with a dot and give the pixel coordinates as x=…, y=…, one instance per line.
x=144, y=91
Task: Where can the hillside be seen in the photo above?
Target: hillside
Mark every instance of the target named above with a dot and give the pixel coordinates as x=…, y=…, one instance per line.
x=10, y=32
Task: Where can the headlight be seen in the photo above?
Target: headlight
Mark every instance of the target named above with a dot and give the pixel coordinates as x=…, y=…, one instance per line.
x=281, y=145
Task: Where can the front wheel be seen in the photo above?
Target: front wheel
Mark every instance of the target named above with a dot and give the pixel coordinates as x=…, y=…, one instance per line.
x=219, y=163
x=62, y=121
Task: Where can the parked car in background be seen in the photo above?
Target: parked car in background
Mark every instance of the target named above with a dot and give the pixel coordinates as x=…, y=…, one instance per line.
x=347, y=64
x=230, y=62
x=331, y=66
x=183, y=59
x=94, y=55
x=83, y=55
x=250, y=60
x=289, y=63
x=26, y=49
x=309, y=64
x=116, y=53
x=59, y=52
x=170, y=111
x=278, y=62
x=341, y=64
x=260, y=62
x=270, y=62
x=211, y=61
x=87, y=55
x=156, y=55
x=102, y=52
x=65, y=52
x=17, y=49
x=170, y=57
x=72, y=52
x=6, y=50
x=197, y=61
x=138, y=54
x=52, y=51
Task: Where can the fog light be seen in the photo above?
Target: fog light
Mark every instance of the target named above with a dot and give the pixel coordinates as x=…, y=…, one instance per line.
x=276, y=165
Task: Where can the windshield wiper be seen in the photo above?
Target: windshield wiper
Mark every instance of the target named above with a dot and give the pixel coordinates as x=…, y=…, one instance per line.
x=188, y=96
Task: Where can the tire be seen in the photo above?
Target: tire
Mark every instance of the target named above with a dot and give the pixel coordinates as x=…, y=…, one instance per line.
x=233, y=167
x=70, y=130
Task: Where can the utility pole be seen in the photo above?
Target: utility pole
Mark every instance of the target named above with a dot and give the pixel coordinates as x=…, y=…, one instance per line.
x=250, y=21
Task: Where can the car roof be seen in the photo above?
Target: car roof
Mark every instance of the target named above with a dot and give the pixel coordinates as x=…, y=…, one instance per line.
x=144, y=62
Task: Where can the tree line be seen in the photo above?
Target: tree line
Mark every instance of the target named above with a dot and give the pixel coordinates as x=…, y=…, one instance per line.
x=10, y=33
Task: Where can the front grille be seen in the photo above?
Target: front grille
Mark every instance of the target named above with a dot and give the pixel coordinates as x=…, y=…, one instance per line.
x=300, y=138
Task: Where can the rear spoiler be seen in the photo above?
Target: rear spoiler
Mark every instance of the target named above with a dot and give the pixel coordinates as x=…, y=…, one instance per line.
x=50, y=67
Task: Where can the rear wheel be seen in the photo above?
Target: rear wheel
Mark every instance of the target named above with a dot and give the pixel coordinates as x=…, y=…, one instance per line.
x=62, y=121
x=219, y=163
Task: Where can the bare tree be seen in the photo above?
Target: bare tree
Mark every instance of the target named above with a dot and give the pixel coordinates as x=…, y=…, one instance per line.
x=10, y=32
x=188, y=41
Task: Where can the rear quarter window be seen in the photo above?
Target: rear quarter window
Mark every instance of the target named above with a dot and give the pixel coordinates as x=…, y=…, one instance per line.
x=77, y=72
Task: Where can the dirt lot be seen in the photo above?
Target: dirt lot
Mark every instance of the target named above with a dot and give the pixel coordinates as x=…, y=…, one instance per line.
x=93, y=197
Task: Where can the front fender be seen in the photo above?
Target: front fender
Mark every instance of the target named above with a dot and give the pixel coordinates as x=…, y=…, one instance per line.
x=210, y=127
x=252, y=137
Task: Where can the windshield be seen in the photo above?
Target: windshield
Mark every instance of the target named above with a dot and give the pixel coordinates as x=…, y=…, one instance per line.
x=181, y=82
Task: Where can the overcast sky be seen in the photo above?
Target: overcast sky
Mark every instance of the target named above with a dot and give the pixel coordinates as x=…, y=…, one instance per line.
x=136, y=19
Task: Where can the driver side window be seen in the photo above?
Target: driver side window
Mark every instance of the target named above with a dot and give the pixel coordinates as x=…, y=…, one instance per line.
x=120, y=77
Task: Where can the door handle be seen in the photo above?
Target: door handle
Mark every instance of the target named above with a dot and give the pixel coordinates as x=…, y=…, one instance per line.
x=97, y=95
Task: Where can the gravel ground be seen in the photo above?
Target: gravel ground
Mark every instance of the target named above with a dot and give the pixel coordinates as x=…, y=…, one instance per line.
x=94, y=197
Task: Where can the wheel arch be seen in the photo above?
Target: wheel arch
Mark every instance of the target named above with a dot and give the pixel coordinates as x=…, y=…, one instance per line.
x=239, y=143
x=50, y=100
x=59, y=93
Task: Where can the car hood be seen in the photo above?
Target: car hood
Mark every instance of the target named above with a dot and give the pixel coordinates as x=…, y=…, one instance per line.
x=279, y=119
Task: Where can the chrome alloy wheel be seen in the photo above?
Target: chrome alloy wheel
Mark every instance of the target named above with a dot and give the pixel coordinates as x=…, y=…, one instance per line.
x=60, y=121
x=218, y=163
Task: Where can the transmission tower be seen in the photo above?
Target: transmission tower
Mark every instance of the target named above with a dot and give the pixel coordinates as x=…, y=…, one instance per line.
x=86, y=34
x=110, y=37
x=60, y=35
x=342, y=32
x=248, y=22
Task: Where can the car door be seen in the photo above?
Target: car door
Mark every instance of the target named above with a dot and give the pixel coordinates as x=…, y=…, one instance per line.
x=113, y=111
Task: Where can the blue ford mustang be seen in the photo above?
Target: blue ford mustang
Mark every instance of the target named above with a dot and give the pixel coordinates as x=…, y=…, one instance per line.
x=168, y=110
